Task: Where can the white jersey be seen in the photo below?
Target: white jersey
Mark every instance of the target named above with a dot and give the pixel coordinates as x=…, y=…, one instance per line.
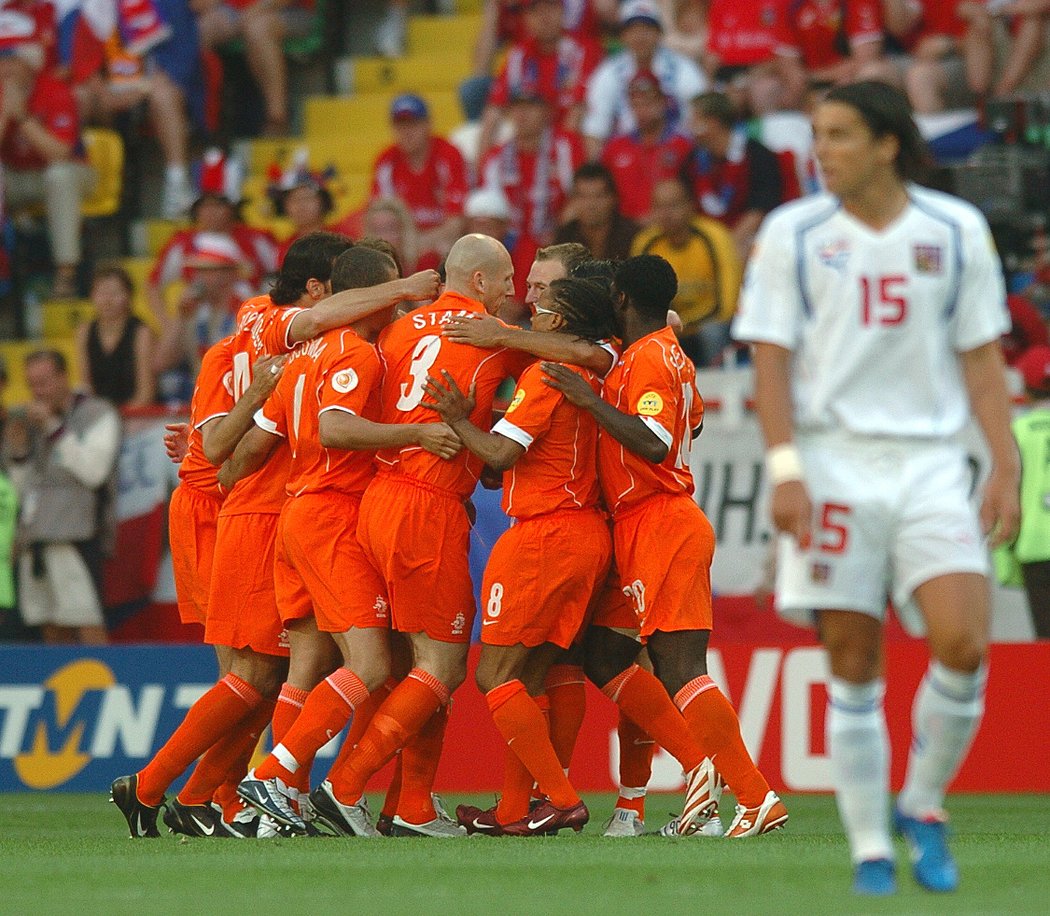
x=875, y=319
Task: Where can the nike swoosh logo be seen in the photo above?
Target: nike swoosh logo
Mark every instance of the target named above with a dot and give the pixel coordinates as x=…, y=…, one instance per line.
x=140, y=828
x=482, y=826
x=535, y=825
x=206, y=829
x=486, y=623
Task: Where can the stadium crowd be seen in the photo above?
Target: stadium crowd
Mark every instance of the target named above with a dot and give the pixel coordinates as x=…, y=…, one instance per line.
x=585, y=232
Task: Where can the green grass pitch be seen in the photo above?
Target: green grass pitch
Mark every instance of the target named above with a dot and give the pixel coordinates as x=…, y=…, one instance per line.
x=71, y=854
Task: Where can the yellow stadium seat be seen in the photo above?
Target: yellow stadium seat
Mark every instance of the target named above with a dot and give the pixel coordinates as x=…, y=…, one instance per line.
x=323, y=151
x=105, y=153
x=158, y=231
x=138, y=269
x=63, y=316
x=351, y=116
x=447, y=37
x=420, y=72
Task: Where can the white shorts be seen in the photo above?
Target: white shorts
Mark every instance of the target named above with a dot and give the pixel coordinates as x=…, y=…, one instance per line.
x=889, y=515
x=64, y=595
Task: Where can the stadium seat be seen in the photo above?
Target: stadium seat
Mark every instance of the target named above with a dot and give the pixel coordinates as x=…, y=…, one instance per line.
x=63, y=316
x=419, y=72
x=105, y=153
x=14, y=353
x=450, y=38
x=371, y=112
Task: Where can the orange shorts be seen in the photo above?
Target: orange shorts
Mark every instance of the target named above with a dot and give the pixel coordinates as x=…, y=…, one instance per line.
x=664, y=549
x=541, y=578
x=192, y=517
x=612, y=607
x=417, y=537
x=319, y=567
x=242, y=609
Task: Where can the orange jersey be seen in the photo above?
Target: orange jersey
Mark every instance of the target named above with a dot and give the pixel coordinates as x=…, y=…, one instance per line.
x=261, y=330
x=559, y=468
x=411, y=349
x=656, y=381
x=212, y=398
x=337, y=371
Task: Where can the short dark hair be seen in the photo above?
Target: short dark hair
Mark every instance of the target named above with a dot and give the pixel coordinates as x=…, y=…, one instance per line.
x=595, y=171
x=596, y=270
x=886, y=112
x=569, y=254
x=649, y=282
x=308, y=258
x=716, y=105
x=114, y=272
x=56, y=357
x=360, y=267
x=586, y=307
x=383, y=246
x=327, y=203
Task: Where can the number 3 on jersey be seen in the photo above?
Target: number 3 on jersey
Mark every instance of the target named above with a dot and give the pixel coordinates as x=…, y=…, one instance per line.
x=424, y=356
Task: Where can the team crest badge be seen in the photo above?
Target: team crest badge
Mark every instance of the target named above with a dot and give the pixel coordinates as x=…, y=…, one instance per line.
x=515, y=403
x=344, y=381
x=459, y=624
x=820, y=573
x=834, y=254
x=927, y=259
x=650, y=404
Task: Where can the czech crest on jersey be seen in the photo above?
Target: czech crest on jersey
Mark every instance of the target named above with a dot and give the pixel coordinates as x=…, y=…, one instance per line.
x=928, y=259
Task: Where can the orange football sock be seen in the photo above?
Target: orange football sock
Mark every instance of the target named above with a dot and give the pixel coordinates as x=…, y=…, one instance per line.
x=217, y=773
x=717, y=729
x=636, y=764
x=419, y=764
x=393, y=791
x=326, y=710
x=567, y=693
x=289, y=704
x=544, y=703
x=513, y=803
x=403, y=714
x=208, y=720
x=362, y=716
x=524, y=728
x=644, y=700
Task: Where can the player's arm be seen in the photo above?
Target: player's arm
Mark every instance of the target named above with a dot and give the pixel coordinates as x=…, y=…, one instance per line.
x=345, y=430
x=490, y=333
x=985, y=379
x=252, y=452
x=791, y=507
x=219, y=437
x=627, y=429
x=352, y=305
x=444, y=396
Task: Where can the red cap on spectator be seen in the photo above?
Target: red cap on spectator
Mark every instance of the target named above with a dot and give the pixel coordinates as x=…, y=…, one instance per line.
x=19, y=36
x=1034, y=366
x=645, y=81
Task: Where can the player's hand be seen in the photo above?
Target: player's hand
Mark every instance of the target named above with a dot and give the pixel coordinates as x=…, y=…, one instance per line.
x=569, y=383
x=1001, y=508
x=476, y=330
x=266, y=373
x=177, y=441
x=421, y=285
x=446, y=398
x=792, y=511
x=439, y=439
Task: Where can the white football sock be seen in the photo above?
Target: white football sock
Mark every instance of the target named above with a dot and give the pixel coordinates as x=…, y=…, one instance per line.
x=945, y=716
x=860, y=763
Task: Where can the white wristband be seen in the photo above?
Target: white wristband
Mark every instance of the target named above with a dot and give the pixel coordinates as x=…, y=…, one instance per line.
x=783, y=463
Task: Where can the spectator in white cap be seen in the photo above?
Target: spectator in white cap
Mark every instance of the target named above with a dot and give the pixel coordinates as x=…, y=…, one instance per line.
x=40, y=148
x=426, y=172
x=205, y=313
x=608, y=112
x=488, y=213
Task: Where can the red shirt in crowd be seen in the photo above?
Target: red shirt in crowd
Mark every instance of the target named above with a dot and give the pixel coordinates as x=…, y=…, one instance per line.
x=742, y=34
x=822, y=31
x=636, y=166
x=580, y=20
x=52, y=104
x=434, y=193
x=258, y=247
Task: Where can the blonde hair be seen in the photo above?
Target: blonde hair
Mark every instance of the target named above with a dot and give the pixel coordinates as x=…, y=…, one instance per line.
x=409, y=253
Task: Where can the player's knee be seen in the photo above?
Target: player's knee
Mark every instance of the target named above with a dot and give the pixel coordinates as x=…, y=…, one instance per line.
x=373, y=672
x=964, y=652
x=853, y=661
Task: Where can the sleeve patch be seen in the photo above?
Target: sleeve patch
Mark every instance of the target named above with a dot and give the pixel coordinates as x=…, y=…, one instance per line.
x=345, y=381
x=515, y=403
x=650, y=404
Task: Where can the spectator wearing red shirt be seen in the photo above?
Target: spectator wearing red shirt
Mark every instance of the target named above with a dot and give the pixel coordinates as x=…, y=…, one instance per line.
x=826, y=42
x=735, y=180
x=534, y=170
x=598, y=222
x=41, y=151
x=548, y=62
x=216, y=210
x=653, y=150
x=739, y=53
x=427, y=173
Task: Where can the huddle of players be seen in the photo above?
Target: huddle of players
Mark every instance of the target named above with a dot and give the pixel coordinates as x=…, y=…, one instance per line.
x=346, y=523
